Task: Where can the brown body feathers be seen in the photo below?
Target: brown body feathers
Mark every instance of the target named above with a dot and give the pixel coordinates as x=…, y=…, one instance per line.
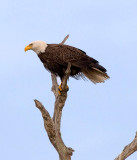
x=56, y=58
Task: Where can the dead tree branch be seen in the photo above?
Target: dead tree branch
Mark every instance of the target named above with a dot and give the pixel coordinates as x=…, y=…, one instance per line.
x=64, y=40
x=52, y=125
x=128, y=150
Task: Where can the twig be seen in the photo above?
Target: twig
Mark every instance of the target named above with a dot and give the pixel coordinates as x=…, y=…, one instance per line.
x=128, y=150
x=64, y=40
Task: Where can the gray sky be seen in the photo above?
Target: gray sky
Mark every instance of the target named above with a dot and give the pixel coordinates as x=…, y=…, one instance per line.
x=98, y=120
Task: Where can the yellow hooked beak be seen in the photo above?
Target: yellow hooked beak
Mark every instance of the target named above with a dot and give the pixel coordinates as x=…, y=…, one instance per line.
x=27, y=48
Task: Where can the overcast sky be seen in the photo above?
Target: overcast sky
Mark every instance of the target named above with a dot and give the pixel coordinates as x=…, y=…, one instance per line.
x=98, y=120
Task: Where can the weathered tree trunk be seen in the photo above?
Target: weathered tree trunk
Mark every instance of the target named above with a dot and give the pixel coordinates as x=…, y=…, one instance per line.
x=52, y=125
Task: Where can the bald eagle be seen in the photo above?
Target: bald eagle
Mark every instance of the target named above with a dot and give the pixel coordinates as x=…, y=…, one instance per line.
x=55, y=58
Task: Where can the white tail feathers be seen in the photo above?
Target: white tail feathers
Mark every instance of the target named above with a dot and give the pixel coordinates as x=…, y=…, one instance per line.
x=95, y=75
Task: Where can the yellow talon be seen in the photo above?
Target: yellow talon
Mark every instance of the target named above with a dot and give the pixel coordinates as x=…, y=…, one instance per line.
x=60, y=89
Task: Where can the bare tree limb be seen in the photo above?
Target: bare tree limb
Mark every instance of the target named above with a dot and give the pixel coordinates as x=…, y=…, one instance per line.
x=128, y=150
x=64, y=40
x=52, y=125
x=48, y=123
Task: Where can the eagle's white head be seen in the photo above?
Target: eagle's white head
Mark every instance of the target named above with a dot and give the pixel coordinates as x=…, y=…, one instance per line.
x=37, y=46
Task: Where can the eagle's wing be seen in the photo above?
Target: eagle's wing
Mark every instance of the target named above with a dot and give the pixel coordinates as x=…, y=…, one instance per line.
x=63, y=54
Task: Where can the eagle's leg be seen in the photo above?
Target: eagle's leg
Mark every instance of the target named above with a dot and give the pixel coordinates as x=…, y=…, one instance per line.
x=60, y=88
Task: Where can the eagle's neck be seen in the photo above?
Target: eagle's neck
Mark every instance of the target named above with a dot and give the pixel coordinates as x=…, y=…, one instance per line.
x=39, y=47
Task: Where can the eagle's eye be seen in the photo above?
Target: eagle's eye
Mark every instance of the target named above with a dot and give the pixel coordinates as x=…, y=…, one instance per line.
x=30, y=44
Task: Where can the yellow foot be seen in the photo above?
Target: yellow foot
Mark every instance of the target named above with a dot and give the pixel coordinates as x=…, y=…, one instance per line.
x=60, y=89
